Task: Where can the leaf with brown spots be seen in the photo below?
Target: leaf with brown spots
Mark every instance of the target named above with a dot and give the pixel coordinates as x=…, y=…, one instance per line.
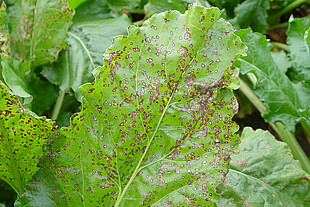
x=39, y=29
x=264, y=173
x=155, y=128
x=21, y=140
x=4, y=31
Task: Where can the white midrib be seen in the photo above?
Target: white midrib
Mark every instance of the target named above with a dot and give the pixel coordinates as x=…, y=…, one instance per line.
x=85, y=48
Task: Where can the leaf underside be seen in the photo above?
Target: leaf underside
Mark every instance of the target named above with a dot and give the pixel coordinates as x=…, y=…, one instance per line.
x=264, y=173
x=155, y=128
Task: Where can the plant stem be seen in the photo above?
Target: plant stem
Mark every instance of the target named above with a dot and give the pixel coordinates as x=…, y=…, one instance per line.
x=297, y=151
x=280, y=45
x=285, y=135
x=289, y=7
x=281, y=25
x=58, y=104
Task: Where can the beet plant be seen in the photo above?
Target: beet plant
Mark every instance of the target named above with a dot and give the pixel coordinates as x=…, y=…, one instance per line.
x=155, y=126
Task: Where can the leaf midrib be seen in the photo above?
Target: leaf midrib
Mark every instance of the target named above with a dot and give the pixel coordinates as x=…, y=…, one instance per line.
x=15, y=170
x=138, y=167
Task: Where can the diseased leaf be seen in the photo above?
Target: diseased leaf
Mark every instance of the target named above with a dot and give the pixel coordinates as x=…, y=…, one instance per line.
x=299, y=56
x=87, y=42
x=21, y=139
x=252, y=13
x=39, y=29
x=285, y=101
x=155, y=128
x=264, y=173
x=4, y=39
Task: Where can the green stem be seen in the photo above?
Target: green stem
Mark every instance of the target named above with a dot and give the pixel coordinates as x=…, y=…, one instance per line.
x=289, y=7
x=281, y=25
x=280, y=45
x=285, y=135
x=297, y=151
x=58, y=104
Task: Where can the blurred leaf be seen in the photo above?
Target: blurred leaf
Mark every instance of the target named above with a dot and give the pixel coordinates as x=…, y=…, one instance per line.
x=21, y=139
x=264, y=173
x=307, y=39
x=92, y=9
x=75, y=3
x=39, y=29
x=44, y=94
x=155, y=128
x=118, y=6
x=252, y=13
x=69, y=107
x=4, y=39
x=299, y=55
x=157, y=6
x=281, y=60
x=87, y=41
x=285, y=101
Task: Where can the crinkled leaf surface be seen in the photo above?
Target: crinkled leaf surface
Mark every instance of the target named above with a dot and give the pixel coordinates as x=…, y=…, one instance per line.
x=252, y=13
x=156, y=126
x=285, y=101
x=87, y=41
x=299, y=55
x=39, y=29
x=21, y=139
x=264, y=173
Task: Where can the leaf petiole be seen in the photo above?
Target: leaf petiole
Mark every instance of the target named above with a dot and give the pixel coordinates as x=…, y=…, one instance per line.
x=58, y=104
x=285, y=135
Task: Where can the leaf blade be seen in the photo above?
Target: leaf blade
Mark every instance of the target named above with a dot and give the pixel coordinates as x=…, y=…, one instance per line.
x=149, y=109
x=264, y=173
x=21, y=141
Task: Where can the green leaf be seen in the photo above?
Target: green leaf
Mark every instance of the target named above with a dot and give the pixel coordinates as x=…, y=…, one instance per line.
x=13, y=73
x=307, y=39
x=264, y=173
x=75, y=3
x=252, y=13
x=43, y=92
x=281, y=60
x=155, y=128
x=285, y=101
x=299, y=55
x=157, y=6
x=21, y=139
x=92, y=9
x=39, y=29
x=120, y=5
x=87, y=42
x=4, y=39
